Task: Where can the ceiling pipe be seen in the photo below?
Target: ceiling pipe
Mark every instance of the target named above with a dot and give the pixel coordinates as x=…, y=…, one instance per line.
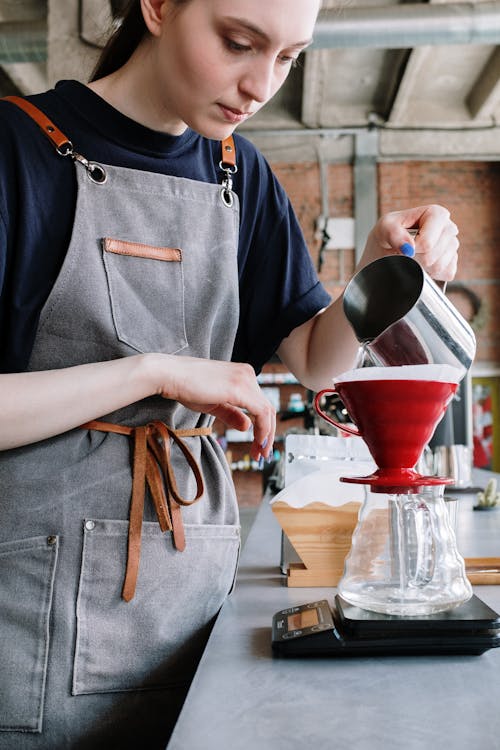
x=389, y=27
x=23, y=42
x=406, y=26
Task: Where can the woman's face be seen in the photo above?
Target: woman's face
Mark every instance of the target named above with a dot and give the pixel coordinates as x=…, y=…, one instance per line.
x=217, y=62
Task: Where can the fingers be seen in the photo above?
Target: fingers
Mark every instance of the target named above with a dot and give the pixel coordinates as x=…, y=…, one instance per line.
x=426, y=233
x=436, y=248
x=264, y=431
x=264, y=426
x=232, y=417
x=260, y=410
x=228, y=390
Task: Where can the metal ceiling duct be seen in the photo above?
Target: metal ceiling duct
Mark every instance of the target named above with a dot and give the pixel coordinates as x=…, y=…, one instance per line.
x=406, y=26
x=23, y=42
x=390, y=27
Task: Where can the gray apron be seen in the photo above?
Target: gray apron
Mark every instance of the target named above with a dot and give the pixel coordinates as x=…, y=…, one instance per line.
x=151, y=266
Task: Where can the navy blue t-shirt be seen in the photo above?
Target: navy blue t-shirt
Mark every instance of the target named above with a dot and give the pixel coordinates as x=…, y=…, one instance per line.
x=279, y=288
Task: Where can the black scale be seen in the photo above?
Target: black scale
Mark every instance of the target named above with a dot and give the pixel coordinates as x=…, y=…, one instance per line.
x=317, y=629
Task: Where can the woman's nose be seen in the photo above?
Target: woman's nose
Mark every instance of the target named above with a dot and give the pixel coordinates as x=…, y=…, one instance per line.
x=258, y=82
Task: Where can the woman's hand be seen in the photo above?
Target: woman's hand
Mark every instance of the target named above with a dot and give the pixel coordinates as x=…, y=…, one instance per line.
x=435, y=246
x=38, y=405
x=227, y=390
x=326, y=345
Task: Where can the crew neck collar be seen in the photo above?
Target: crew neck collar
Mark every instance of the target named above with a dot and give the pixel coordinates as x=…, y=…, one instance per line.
x=103, y=117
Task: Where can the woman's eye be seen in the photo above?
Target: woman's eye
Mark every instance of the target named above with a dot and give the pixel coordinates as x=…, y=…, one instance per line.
x=287, y=60
x=236, y=46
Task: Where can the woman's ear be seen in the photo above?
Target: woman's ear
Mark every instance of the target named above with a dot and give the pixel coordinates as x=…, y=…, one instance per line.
x=153, y=12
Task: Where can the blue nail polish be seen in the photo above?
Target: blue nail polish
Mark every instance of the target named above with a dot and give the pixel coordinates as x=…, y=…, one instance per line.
x=407, y=249
x=261, y=462
x=264, y=443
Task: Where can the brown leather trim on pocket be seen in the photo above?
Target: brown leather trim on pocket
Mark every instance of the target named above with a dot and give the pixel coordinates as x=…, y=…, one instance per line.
x=122, y=247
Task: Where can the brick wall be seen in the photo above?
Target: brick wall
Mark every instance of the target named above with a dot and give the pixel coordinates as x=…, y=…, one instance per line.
x=471, y=190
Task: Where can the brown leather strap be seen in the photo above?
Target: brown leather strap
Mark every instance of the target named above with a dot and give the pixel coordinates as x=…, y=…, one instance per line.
x=123, y=429
x=55, y=136
x=136, y=513
x=152, y=467
x=61, y=142
x=228, y=152
x=160, y=446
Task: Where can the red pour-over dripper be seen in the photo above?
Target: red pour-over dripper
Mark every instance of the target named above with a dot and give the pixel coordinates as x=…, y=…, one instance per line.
x=395, y=410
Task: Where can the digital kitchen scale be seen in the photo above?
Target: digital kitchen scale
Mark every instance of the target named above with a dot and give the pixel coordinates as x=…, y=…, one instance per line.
x=317, y=629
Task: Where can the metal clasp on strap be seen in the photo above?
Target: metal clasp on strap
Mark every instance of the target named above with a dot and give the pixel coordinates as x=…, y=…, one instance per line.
x=228, y=165
x=61, y=143
x=95, y=172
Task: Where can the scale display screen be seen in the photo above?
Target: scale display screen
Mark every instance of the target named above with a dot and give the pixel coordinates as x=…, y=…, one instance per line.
x=303, y=619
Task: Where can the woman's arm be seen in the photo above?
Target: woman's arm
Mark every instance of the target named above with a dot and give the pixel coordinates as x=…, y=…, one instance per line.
x=325, y=345
x=38, y=405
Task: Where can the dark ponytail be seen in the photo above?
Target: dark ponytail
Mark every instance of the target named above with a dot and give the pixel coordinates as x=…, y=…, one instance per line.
x=123, y=42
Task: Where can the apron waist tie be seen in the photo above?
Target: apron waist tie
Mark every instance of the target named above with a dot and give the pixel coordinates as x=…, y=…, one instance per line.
x=152, y=465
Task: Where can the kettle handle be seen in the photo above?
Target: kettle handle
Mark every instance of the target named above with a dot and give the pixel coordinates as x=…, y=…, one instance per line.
x=338, y=425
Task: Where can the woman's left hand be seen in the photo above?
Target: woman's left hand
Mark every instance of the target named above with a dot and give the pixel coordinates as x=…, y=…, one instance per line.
x=435, y=246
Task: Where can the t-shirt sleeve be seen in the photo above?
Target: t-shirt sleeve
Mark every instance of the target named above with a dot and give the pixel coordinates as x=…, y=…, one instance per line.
x=35, y=219
x=3, y=248
x=279, y=286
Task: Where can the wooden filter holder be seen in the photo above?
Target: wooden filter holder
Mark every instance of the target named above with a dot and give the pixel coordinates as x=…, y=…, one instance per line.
x=483, y=571
x=321, y=535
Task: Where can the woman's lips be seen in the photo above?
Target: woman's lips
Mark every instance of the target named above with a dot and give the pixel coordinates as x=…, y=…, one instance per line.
x=233, y=115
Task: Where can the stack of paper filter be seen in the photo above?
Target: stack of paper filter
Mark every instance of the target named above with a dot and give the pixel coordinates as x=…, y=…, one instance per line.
x=318, y=513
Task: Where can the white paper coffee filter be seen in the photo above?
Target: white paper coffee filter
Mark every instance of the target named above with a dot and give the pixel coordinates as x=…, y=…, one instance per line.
x=436, y=373
x=326, y=487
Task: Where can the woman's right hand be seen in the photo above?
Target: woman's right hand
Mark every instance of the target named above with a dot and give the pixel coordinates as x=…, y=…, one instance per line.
x=227, y=390
x=435, y=247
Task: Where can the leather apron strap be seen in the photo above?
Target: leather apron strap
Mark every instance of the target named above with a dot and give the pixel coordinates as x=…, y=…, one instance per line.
x=55, y=136
x=152, y=466
x=64, y=146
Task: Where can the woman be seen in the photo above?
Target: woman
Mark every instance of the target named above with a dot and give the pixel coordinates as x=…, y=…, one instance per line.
x=138, y=299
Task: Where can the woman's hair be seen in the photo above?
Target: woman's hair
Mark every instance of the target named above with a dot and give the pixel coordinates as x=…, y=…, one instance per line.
x=129, y=32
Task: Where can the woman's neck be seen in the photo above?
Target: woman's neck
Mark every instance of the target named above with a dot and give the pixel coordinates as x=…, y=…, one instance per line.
x=133, y=91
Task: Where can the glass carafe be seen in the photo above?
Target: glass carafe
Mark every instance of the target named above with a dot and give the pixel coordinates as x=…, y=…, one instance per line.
x=404, y=559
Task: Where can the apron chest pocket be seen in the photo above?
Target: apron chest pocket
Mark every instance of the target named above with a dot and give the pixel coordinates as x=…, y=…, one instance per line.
x=146, y=289
x=154, y=640
x=27, y=570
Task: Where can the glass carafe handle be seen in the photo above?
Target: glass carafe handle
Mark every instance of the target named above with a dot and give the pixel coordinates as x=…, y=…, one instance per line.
x=417, y=548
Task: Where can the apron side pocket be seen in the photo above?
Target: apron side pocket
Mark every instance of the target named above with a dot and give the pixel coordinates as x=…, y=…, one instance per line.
x=27, y=572
x=155, y=640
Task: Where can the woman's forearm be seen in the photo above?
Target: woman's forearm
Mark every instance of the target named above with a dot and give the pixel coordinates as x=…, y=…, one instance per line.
x=323, y=347
x=37, y=405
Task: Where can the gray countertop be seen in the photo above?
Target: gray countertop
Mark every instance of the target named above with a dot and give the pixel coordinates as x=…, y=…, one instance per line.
x=242, y=697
